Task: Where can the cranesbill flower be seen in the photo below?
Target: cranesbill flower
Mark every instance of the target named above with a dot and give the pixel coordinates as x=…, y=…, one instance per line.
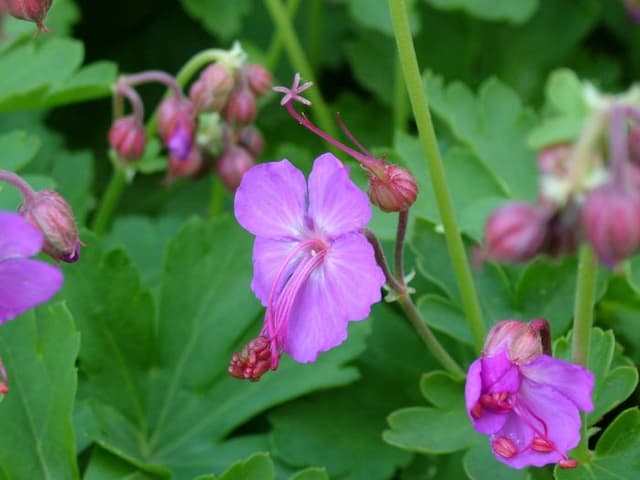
x=314, y=270
x=24, y=283
x=527, y=401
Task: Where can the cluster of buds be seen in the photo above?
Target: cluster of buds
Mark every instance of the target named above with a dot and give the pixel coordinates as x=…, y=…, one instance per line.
x=391, y=187
x=211, y=128
x=585, y=195
x=50, y=213
x=31, y=10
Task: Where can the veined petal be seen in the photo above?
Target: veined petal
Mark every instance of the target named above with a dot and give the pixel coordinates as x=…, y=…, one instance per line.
x=499, y=374
x=352, y=276
x=575, y=382
x=487, y=422
x=336, y=204
x=269, y=258
x=25, y=283
x=271, y=200
x=19, y=238
x=520, y=435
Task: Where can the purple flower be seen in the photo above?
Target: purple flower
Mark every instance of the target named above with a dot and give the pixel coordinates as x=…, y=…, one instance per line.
x=24, y=283
x=314, y=270
x=526, y=401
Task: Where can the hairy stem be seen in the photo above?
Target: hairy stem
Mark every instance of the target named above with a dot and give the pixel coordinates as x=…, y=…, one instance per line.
x=420, y=105
x=28, y=193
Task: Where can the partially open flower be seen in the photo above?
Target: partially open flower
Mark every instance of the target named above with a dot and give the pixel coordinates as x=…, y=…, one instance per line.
x=177, y=125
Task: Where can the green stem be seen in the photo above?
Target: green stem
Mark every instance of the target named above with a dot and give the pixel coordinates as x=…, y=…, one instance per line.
x=420, y=105
x=315, y=26
x=582, y=321
x=400, y=104
x=274, y=52
x=300, y=62
x=110, y=201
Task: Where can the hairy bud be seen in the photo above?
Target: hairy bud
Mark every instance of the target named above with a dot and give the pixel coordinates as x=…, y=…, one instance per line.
x=32, y=10
x=259, y=79
x=52, y=215
x=232, y=165
x=393, y=191
x=522, y=341
x=128, y=138
x=210, y=92
x=241, y=107
x=184, y=166
x=176, y=115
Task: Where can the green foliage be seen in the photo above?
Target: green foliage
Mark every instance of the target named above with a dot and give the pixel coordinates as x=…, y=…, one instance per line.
x=516, y=12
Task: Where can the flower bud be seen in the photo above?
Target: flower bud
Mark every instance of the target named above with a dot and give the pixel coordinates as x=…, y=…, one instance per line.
x=634, y=145
x=259, y=79
x=210, y=92
x=611, y=221
x=52, y=215
x=563, y=231
x=515, y=232
x=128, y=138
x=522, y=341
x=232, y=165
x=251, y=138
x=32, y=10
x=185, y=166
x=393, y=191
x=176, y=114
x=241, y=107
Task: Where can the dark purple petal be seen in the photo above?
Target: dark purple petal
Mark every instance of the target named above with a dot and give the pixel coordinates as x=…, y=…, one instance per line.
x=336, y=204
x=573, y=381
x=499, y=374
x=19, y=238
x=271, y=200
x=268, y=259
x=352, y=276
x=488, y=422
x=25, y=283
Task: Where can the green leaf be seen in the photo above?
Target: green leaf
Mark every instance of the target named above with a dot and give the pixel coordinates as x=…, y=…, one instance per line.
x=493, y=125
x=158, y=383
x=257, y=467
x=311, y=474
x=443, y=315
x=480, y=464
x=219, y=17
x=515, y=12
x=375, y=16
x=39, y=352
x=616, y=376
x=18, y=148
x=616, y=454
x=106, y=466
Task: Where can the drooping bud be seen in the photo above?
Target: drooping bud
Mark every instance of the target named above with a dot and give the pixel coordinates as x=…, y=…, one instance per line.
x=210, y=92
x=251, y=138
x=522, y=341
x=563, y=231
x=128, y=138
x=184, y=166
x=177, y=118
x=395, y=190
x=32, y=10
x=232, y=165
x=52, y=215
x=515, y=232
x=253, y=361
x=241, y=107
x=258, y=78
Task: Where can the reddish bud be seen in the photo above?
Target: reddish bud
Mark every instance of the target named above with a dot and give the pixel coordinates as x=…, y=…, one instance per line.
x=611, y=221
x=395, y=190
x=634, y=145
x=232, y=165
x=32, y=10
x=176, y=114
x=128, y=138
x=563, y=231
x=253, y=361
x=52, y=215
x=515, y=232
x=568, y=463
x=259, y=79
x=241, y=107
x=504, y=447
x=184, y=166
x=210, y=92
x=251, y=138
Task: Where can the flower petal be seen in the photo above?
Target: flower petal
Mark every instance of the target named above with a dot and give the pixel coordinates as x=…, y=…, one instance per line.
x=518, y=433
x=25, y=283
x=499, y=374
x=19, y=238
x=488, y=422
x=336, y=204
x=271, y=200
x=269, y=257
x=575, y=382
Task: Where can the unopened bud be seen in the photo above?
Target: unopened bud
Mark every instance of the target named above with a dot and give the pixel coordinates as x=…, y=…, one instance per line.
x=176, y=114
x=52, y=215
x=210, y=92
x=395, y=190
x=515, y=232
x=184, y=166
x=232, y=165
x=522, y=341
x=259, y=79
x=128, y=138
x=253, y=361
x=611, y=221
x=241, y=107
x=563, y=231
x=251, y=138
x=32, y=10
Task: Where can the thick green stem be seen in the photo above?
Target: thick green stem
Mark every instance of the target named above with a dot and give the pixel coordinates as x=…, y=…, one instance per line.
x=420, y=105
x=400, y=103
x=299, y=61
x=110, y=201
x=582, y=321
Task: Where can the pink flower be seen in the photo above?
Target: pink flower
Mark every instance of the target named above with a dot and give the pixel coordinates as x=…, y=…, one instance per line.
x=24, y=283
x=526, y=401
x=314, y=270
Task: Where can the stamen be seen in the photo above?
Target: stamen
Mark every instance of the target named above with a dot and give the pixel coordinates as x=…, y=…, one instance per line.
x=504, y=447
x=542, y=445
x=498, y=402
x=568, y=463
x=476, y=411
